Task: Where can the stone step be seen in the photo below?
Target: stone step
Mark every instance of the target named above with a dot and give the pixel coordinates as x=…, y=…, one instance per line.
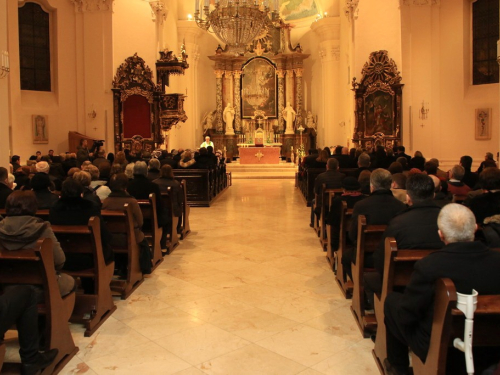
x=258, y=169
x=262, y=175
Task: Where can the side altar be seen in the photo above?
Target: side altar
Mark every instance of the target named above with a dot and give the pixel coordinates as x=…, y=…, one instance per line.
x=261, y=87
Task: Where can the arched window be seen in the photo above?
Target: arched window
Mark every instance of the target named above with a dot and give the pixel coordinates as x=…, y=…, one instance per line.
x=34, y=47
x=484, y=46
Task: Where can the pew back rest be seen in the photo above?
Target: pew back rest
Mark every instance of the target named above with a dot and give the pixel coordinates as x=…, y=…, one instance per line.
x=120, y=222
x=149, y=213
x=369, y=237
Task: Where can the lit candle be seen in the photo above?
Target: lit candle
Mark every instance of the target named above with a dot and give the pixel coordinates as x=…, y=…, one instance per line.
x=197, y=5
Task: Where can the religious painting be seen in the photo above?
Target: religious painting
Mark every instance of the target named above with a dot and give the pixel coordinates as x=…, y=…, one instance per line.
x=40, y=129
x=297, y=9
x=483, y=124
x=259, y=88
x=379, y=114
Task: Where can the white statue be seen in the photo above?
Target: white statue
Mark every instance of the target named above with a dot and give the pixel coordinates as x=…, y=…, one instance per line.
x=310, y=122
x=289, y=116
x=228, y=116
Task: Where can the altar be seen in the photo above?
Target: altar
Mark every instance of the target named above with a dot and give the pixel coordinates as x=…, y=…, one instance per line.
x=260, y=155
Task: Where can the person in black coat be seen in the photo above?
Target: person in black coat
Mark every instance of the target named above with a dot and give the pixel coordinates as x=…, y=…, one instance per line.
x=168, y=158
x=204, y=160
x=414, y=228
x=470, y=265
x=364, y=162
x=5, y=190
x=153, y=169
x=333, y=180
x=470, y=178
x=487, y=204
x=342, y=156
x=40, y=184
x=73, y=209
x=379, y=208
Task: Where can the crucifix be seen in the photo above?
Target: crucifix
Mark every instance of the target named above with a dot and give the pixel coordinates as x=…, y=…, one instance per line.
x=259, y=155
x=95, y=128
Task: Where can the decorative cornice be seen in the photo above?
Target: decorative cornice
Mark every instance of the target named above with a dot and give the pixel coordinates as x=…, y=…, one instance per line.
x=351, y=9
x=159, y=10
x=92, y=5
x=327, y=28
x=421, y=2
x=329, y=51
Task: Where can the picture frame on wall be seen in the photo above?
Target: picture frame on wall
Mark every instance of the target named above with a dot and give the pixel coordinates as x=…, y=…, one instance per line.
x=259, y=88
x=40, y=128
x=483, y=124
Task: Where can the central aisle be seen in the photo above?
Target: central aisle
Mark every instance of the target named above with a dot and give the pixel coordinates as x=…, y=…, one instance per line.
x=248, y=292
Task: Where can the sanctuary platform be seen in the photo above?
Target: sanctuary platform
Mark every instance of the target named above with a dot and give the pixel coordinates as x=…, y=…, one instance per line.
x=282, y=170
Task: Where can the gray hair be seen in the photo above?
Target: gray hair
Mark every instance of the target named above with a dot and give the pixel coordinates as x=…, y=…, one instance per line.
x=11, y=178
x=154, y=164
x=129, y=170
x=381, y=179
x=93, y=170
x=43, y=167
x=457, y=172
x=141, y=168
x=364, y=160
x=82, y=177
x=435, y=161
x=457, y=223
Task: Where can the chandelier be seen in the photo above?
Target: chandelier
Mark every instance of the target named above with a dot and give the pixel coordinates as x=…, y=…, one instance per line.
x=236, y=22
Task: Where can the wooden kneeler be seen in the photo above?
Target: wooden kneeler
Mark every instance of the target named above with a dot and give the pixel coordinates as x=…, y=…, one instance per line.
x=152, y=230
x=186, y=229
x=98, y=306
x=36, y=267
x=173, y=239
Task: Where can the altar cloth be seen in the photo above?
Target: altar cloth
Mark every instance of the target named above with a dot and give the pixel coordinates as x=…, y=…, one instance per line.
x=260, y=155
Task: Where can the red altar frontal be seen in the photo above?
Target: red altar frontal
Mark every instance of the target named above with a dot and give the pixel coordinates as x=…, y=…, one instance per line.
x=260, y=155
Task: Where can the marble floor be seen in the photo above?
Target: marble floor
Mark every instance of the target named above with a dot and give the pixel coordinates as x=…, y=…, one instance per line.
x=248, y=292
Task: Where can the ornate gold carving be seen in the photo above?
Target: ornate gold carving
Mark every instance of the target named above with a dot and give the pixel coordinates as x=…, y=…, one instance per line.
x=136, y=91
x=218, y=73
x=378, y=86
x=237, y=74
x=280, y=73
x=421, y=2
x=351, y=8
x=237, y=99
x=299, y=72
x=159, y=10
x=380, y=68
x=134, y=72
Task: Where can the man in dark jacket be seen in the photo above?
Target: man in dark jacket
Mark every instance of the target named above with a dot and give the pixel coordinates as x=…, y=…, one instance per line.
x=333, y=180
x=414, y=228
x=470, y=178
x=487, y=204
x=470, y=265
x=379, y=208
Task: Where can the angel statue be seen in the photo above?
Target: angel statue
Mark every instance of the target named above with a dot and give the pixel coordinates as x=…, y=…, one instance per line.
x=207, y=121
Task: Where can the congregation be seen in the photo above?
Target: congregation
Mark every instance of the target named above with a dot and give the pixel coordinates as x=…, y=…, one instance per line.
x=451, y=217
x=73, y=189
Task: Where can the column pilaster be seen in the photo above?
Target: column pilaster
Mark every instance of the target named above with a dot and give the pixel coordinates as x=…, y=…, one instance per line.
x=281, y=98
x=219, y=126
x=237, y=100
x=298, y=96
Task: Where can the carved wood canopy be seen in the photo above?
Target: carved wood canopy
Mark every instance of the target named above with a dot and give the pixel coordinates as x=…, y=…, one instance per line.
x=378, y=102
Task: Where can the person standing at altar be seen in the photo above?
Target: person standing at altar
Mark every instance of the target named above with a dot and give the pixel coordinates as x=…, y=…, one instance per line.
x=289, y=116
x=228, y=116
x=207, y=142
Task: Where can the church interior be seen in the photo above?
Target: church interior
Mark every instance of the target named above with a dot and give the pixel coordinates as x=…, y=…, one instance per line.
x=249, y=291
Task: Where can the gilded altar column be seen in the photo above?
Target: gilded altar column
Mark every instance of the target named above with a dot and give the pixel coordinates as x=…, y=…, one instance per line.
x=298, y=97
x=289, y=87
x=328, y=30
x=237, y=100
x=219, y=126
x=281, y=98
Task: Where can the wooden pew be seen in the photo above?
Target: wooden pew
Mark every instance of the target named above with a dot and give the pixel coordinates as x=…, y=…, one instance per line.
x=398, y=268
x=342, y=280
x=86, y=239
x=458, y=198
x=2, y=354
x=36, y=267
x=173, y=239
x=310, y=177
x=200, y=185
x=369, y=237
x=328, y=195
x=121, y=222
x=151, y=228
x=448, y=324
x=186, y=209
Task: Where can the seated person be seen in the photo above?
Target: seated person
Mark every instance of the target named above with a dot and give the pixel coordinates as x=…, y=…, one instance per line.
x=398, y=186
x=470, y=265
x=115, y=201
x=165, y=181
x=455, y=184
x=153, y=169
x=5, y=190
x=187, y=160
x=73, y=209
x=487, y=204
x=83, y=177
x=333, y=180
x=364, y=181
x=98, y=185
x=140, y=188
x=488, y=162
x=363, y=164
x=470, y=178
x=18, y=305
x=379, y=208
x=204, y=160
x=351, y=196
x=21, y=230
x=414, y=228
x=40, y=184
